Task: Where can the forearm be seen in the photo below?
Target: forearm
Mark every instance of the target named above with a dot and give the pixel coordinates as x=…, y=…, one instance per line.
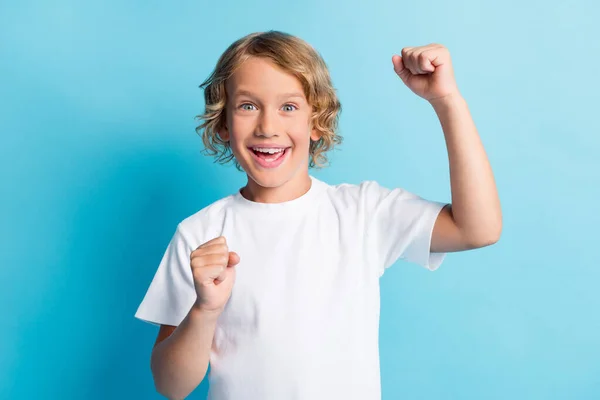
x=475, y=202
x=179, y=363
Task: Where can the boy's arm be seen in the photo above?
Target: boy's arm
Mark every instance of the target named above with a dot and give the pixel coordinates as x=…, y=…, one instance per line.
x=180, y=355
x=474, y=219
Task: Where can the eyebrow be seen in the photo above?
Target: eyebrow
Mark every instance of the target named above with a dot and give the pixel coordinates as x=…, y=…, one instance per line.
x=283, y=95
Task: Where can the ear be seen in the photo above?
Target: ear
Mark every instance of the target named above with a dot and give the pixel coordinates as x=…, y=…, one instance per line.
x=224, y=133
x=315, y=135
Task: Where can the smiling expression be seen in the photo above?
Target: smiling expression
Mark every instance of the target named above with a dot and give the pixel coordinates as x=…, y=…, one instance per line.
x=268, y=124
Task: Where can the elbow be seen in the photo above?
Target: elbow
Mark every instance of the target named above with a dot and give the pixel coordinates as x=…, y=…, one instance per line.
x=486, y=234
x=486, y=237
x=164, y=385
x=171, y=396
x=485, y=242
x=168, y=391
x=167, y=394
x=170, y=383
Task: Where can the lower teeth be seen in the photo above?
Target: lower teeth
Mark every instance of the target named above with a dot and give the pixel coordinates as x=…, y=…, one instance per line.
x=271, y=159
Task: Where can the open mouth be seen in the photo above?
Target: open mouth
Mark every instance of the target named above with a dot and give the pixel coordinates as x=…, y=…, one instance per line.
x=269, y=157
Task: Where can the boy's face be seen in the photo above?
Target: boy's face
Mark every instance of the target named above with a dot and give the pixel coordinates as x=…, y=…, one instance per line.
x=268, y=123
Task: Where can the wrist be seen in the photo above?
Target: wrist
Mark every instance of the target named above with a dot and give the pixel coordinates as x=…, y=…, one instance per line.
x=199, y=312
x=446, y=102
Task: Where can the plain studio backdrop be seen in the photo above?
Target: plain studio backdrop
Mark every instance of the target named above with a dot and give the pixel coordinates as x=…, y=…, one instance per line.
x=99, y=161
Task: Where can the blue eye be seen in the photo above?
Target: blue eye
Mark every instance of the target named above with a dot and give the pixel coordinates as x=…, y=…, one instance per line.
x=247, y=107
x=289, y=107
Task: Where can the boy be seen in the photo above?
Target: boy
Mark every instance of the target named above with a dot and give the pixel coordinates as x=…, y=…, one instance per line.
x=277, y=285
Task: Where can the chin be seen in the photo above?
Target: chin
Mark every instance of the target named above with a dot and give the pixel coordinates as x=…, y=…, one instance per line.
x=270, y=179
x=273, y=178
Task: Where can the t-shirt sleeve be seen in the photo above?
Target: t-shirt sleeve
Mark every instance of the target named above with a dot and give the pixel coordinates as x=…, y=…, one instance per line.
x=400, y=226
x=171, y=293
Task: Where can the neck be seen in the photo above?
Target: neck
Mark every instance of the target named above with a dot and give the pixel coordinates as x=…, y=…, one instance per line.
x=290, y=190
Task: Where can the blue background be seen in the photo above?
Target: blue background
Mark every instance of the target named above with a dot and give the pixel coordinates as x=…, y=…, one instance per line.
x=100, y=161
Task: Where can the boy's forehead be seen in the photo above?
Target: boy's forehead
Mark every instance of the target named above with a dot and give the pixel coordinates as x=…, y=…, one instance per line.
x=260, y=76
x=241, y=91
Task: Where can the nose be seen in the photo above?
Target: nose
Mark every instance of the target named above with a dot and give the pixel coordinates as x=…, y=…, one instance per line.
x=268, y=125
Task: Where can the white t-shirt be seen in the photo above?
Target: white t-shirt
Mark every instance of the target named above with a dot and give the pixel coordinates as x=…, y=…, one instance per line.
x=303, y=318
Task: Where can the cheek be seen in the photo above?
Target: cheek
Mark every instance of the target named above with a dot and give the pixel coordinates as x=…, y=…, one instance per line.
x=301, y=138
x=240, y=129
x=299, y=130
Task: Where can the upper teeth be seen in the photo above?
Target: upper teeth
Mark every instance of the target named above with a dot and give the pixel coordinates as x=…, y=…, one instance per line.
x=268, y=150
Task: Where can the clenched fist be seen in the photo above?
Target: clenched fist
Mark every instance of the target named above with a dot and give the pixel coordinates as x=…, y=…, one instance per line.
x=214, y=274
x=427, y=71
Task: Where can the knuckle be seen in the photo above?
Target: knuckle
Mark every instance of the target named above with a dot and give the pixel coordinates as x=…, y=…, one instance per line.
x=223, y=248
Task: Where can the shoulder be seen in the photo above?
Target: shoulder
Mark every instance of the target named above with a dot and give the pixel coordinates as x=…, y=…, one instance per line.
x=351, y=199
x=369, y=196
x=208, y=214
x=203, y=225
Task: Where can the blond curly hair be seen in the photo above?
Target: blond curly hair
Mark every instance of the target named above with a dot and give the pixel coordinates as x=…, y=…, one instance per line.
x=294, y=56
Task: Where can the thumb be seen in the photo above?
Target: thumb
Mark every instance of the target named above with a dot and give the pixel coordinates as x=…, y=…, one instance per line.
x=399, y=68
x=234, y=259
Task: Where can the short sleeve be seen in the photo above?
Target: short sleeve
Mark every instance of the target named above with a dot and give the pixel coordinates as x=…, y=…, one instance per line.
x=171, y=293
x=400, y=226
